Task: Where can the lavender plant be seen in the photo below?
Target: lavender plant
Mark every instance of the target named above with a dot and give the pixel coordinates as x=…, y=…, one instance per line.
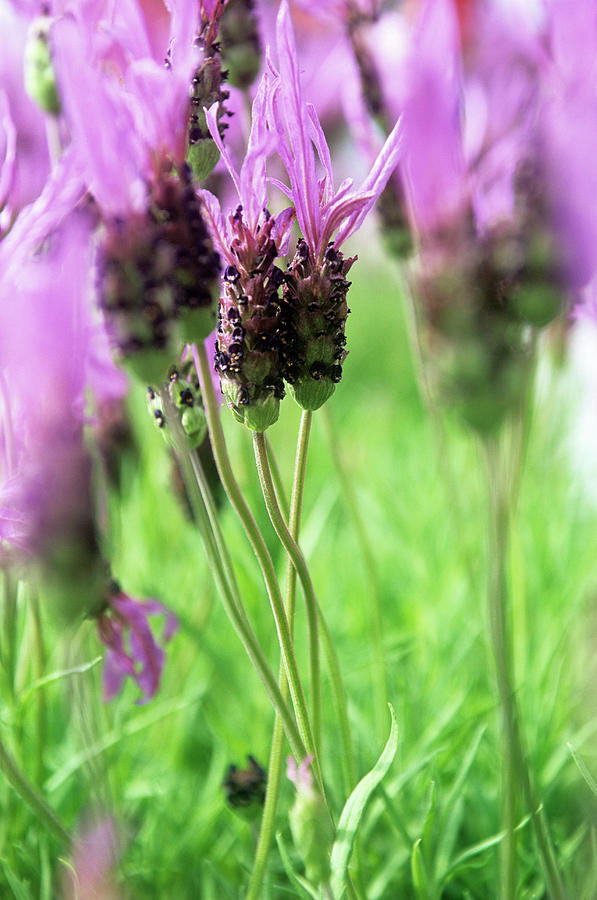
x=180, y=244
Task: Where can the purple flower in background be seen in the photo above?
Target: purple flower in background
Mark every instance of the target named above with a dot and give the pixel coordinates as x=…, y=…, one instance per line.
x=132, y=650
x=50, y=350
x=95, y=854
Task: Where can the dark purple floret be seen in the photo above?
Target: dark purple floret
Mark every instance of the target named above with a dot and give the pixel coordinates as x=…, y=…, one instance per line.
x=313, y=320
x=249, y=334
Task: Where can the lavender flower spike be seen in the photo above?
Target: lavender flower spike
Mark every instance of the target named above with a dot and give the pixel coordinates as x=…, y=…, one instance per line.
x=249, y=342
x=314, y=307
x=143, y=660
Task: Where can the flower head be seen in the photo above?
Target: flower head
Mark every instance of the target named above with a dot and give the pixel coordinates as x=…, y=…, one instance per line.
x=248, y=340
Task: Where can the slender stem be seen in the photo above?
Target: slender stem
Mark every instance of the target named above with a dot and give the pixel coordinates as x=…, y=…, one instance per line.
x=277, y=747
x=260, y=549
x=380, y=679
x=10, y=630
x=498, y=618
x=298, y=561
x=517, y=771
x=277, y=479
x=227, y=589
x=300, y=565
x=216, y=531
x=40, y=661
x=30, y=796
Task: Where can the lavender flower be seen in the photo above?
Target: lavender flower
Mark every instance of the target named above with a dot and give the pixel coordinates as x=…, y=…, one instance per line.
x=48, y=359
x=157, y=267
x=489, y=147
x=123, y=627
x=314, y=308
x=249, y=340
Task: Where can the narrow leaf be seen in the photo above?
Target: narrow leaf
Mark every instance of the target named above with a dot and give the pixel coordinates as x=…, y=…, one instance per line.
x=419, y=873
x=582, y=767
x=58, y=676
x=354, y=808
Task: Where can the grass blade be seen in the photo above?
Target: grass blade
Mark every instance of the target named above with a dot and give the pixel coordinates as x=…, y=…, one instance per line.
x=354, y=808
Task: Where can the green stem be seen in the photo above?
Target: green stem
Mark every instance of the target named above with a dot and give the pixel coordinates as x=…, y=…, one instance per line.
x=517, y=772
x=29, y=795
x=298, y=562
x=276, y=754
x=40, y=661
x=498, y=619
x=277, y=479
x=227, y=589
x=338, y=693
x=10, y=630
x=261, y=552
x=380, y=679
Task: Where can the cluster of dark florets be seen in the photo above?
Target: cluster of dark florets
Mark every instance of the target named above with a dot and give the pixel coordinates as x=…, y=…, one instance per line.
x=157, y=269
x=248, y=342
x=245, y=788
x=207, y=88
x=312, y=324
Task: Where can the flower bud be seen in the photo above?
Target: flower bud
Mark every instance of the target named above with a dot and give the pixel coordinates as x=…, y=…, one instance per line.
x=310, y=824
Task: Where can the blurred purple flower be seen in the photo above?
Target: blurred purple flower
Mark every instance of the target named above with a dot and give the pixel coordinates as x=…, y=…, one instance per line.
x=139, y=105
x=95, y=853
x=132, y=649
x=51, y=350
x=500, y=120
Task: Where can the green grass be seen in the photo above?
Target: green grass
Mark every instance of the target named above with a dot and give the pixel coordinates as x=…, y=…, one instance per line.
x=158, y=768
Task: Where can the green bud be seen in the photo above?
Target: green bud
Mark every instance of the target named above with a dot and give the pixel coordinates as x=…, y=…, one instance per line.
x=194, y=425
x=312, y=394
x=310, y=825
x=257, y=415
x=537, y=302
x=40, y=79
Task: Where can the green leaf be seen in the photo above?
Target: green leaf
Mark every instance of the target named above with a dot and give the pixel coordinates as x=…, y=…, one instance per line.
x=21, y=890
x=427, y=835
x=354, y=808
x=58, y=676
x=301, y=884
x=419, y=873
x=582, y=767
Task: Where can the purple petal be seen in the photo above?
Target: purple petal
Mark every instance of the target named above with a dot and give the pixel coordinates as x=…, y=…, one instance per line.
x=433, y=170
x=106, y=142
x=292, y=124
